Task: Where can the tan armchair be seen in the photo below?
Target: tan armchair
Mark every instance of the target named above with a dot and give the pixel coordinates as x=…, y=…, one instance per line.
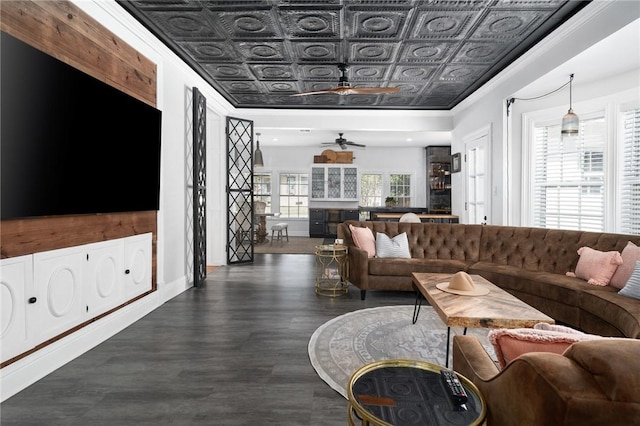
x=592, y=383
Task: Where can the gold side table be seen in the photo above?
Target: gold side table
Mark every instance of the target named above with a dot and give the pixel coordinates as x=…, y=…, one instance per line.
x=331, y=270
x=399, y=392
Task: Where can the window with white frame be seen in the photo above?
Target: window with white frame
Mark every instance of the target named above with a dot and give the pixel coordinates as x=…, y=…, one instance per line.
x=629, y=198
x=569, y=178
x=262, y=189
x=372, y=186
x=589, y=182
x=371, y=190
x=400, y=189
x=294, y=195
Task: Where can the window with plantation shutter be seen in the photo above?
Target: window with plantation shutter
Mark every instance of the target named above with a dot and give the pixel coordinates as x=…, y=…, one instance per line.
x=630, y=173
x=569, y=176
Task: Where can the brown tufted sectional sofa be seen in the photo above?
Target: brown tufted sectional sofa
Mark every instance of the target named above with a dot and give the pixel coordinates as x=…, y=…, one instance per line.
x=529, y=263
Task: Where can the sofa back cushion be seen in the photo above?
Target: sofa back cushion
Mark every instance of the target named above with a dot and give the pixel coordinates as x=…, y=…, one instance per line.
x=445, y=241
x=541, y=249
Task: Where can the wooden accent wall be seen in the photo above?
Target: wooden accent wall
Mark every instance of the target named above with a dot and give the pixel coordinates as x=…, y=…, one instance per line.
x=62, y=30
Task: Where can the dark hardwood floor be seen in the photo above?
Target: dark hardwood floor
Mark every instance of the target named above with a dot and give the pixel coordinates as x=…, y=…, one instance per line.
x=231, y=353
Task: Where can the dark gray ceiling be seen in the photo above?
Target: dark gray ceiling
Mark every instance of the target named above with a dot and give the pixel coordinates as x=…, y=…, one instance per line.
x=258, y=53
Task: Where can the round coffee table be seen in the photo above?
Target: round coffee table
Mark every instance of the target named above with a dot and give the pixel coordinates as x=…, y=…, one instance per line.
x=407, y=392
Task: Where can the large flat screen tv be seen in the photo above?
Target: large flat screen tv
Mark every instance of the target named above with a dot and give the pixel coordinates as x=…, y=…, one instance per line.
x=71, y=144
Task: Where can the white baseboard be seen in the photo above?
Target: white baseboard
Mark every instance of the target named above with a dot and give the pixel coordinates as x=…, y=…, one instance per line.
x=28, y=370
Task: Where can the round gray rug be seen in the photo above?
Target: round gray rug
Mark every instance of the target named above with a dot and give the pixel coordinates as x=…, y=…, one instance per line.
x=344, y=344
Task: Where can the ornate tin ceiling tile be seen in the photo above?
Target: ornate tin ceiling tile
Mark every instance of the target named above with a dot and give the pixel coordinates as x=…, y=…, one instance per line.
x=373, y=23
x=507, y=24
x=413, y=72
x=209, y=51
x=228, y=71
x=322, y=24
x=372, y=51
x=481, y=53
x=185, y=24
x=442, y=24
x=261, y=51
x=247, y=24
x=436, y=51
x=367, y=72
x=327, y=52
x=273, y=71
x=240, y=86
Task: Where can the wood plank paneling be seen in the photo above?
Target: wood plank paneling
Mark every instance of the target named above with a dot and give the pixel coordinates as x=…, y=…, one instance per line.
x=62, y=30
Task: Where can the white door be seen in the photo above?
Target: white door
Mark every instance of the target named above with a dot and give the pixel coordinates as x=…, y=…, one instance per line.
x=137, y=265
x=477, y=177
x=104, y=276
x=16, y=291
x=58, y=278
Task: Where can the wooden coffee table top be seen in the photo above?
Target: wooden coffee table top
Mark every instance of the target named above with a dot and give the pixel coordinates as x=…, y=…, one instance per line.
x=497, y=309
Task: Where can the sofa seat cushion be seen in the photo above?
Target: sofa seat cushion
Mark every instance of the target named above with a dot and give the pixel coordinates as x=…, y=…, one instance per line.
x=549, y=285
x=404, y=267
x=605, y=303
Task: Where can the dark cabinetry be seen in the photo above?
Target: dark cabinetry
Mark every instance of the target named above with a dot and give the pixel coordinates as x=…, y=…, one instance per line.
x=323, y=223
x=439, y=179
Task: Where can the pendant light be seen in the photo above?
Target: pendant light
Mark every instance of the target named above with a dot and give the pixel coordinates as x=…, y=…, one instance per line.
x=257, y=157
x=570, y=122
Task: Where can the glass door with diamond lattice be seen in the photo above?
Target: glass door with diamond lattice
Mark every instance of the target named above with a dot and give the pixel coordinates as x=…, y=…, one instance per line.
x=240, y=220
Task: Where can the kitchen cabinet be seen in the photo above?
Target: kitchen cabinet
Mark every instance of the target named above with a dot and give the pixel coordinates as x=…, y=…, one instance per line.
x=334, y=182
x=323, y=222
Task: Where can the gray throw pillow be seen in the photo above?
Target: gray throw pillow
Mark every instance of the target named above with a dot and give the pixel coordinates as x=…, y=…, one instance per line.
x=397, y=246
x=632, y=287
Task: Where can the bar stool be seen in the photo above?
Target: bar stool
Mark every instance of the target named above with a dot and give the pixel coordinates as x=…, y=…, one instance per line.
x=279, y=227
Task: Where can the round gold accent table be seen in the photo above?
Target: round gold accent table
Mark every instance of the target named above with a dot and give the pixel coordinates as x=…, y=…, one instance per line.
x=331, y=270
x=408, y=392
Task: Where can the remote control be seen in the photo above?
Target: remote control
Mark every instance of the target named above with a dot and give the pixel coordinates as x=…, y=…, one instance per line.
x=453, y=387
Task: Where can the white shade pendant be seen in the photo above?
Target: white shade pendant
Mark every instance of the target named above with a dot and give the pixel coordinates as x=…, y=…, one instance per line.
x=257, y=157
x=570, y=122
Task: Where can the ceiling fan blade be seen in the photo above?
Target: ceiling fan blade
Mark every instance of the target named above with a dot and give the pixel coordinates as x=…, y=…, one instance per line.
x=316, y=92
x=355, y=144
x=373, y=90
x=347, y=90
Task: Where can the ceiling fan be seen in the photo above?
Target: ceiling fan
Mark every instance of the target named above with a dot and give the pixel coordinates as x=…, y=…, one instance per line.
x=344, y=88
x=343, y=142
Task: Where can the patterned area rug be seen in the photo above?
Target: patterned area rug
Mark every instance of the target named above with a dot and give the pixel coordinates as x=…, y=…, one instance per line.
x=342, y=345
x=295, y=245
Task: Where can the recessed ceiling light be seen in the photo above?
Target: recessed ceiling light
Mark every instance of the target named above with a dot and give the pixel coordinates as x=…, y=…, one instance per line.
x=409, y=139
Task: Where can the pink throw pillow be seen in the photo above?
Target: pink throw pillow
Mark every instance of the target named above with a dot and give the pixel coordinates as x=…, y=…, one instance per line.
x=630, y=254
x=509, y=344
x=597, y=267
x=364, y=239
